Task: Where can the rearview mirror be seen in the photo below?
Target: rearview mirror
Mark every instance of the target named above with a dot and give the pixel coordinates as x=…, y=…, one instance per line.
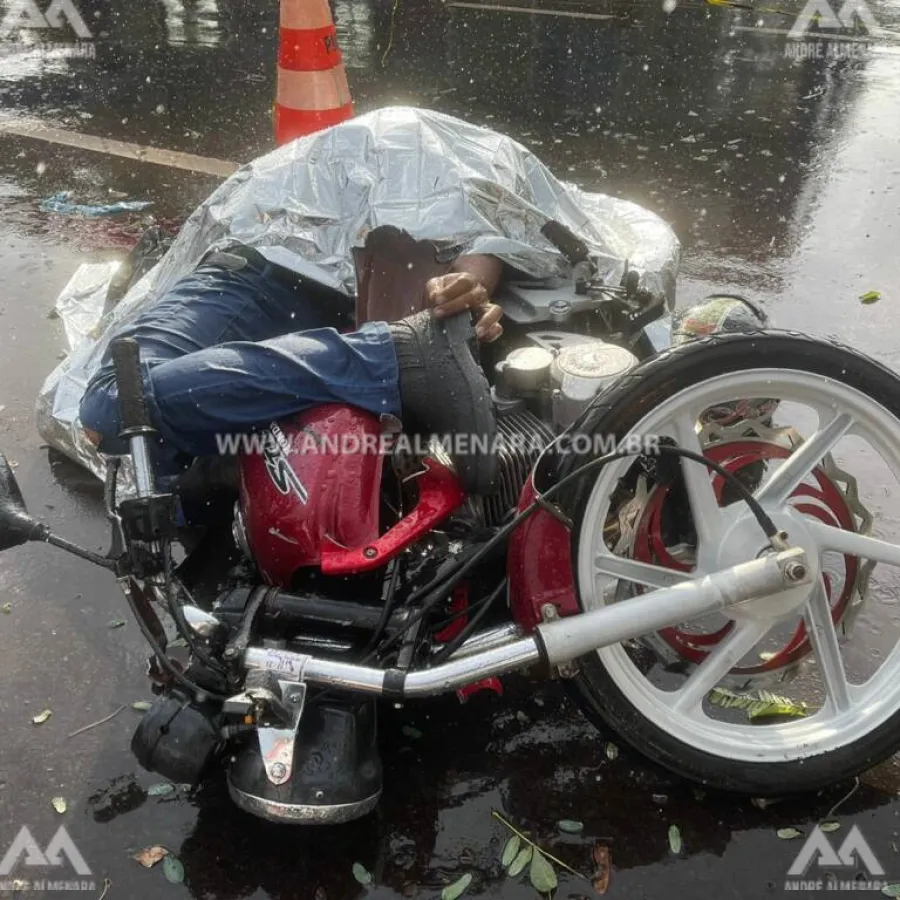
x=16, y=526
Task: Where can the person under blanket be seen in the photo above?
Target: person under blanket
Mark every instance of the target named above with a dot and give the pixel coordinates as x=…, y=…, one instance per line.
x=243, y=341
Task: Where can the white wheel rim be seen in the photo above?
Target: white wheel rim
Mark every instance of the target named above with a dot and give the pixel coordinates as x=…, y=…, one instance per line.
x=850, y=711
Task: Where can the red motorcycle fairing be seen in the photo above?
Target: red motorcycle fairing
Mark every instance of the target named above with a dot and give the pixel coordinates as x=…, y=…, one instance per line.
x=312, y=497
x=316, y=482
x=539, y=563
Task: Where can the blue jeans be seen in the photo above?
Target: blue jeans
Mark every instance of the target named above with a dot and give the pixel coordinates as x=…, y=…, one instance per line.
x=231, y=351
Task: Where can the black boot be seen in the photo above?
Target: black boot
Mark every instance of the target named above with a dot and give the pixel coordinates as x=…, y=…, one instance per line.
x=444, y=392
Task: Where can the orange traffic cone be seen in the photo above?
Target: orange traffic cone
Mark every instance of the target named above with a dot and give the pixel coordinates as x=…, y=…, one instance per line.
x=312, y=82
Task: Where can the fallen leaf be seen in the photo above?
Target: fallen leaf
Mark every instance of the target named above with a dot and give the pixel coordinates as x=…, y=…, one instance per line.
x=612, y=751
x=411, y=732
x=520, y=862
x=150, y=856
x=457, y=889
x=542, y=874
x=59, y=804
x=830, y=826
x=320, y=893
x=361, y=873
x=178, y=642
x=758, y=704
x=141, y=705
x=160, y=790
x=116, y=623
x=510, y=851
x=173, y=869
x=787, y=834
x=891, y=890
x=40, y=718
x=603, y=865
x=675, y=843
x=7, y=608
x=870, y=297
x=570, y=826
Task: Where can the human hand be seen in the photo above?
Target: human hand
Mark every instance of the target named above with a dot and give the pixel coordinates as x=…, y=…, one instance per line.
x=455, y=292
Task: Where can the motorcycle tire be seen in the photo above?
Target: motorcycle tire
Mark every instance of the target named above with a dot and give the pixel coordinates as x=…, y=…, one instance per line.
x=619, y=409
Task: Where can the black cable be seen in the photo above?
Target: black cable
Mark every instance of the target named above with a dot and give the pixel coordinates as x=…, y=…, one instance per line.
x=450, y=579
x=164, y=660
x=385, y=611
x=474, y=622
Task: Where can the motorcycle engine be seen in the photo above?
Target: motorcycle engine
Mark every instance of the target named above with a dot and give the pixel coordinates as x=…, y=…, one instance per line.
x=540, y=390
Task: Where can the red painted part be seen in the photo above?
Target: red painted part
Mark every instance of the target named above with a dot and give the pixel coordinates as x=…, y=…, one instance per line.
x=439, y=494
x=459, y=601
x=649, y=547
x=295, y=123
x=539, y=564
x=486, y=684
x=309, y=49
x=286, y=532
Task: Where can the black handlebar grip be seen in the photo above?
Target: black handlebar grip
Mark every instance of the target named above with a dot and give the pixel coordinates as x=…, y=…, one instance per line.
x=126, y=356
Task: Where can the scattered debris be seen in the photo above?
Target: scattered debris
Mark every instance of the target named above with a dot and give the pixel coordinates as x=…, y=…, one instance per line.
x=95, y=724
x=891, y=890
x=603, y=870
x=361, y=873
x=150, y=856
x=59, y=804
x=457, y=889
x=510, y=851
x=870, y=297
x=107, y=884
x=116, y=623
x=844, y=799
x=675, y=842
x=411, y=732
x=61, y=203
x=40, y=718
x=758, y=704
x=788, y=834
x=830, y=826
x=570, y=826
x=173, y=869
x=542, y=874
x=141, y=705
x=160, y=790
x=7, y=608
x=612, y=751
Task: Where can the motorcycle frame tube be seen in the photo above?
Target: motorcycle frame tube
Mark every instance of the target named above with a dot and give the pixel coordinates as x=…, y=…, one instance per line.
x=553, y=643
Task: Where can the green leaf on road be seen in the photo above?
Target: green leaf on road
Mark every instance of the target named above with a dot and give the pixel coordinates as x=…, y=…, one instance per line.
x=160, y=790
x=510, y=851
x=570, y=826
x=830, y=826
x=788, y=834
x=173, y=869
x=542, y=874
x=520, y=862
x=116, y=623
x=457, y=889
x=59, y=804
x=870, y=297
x=141, y=705
x=361, y=873
x=411, y=732
x=891, y=890
x=40, y=718
x=675, y=842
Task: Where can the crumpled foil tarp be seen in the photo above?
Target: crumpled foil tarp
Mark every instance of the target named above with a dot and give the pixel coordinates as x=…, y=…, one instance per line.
x=466, y=188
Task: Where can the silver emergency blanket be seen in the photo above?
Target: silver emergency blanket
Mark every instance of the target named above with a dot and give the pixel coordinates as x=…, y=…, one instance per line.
x=466, y=188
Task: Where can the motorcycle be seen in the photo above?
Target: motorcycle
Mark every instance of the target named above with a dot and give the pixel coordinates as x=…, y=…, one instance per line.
x=657, y=541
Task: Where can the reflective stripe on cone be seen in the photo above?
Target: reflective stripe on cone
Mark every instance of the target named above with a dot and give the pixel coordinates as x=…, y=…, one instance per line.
x=312, y=82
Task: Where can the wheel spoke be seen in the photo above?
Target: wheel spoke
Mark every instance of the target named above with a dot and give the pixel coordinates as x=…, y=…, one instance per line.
x=801, y=462
x=641, y=573
x=705, y=510
x=728, y=653
x=827, y=650
x=853, y=544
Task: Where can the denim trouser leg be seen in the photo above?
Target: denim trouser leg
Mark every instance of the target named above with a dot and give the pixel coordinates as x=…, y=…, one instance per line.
x=231, y=351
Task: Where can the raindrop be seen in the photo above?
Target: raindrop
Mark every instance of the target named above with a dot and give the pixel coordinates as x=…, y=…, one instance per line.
x=669, y=6
x=160, y=109
x=781, y=179
x=40, y=168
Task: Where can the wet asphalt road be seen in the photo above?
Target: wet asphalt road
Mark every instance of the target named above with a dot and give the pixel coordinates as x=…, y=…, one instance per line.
x=782, y=179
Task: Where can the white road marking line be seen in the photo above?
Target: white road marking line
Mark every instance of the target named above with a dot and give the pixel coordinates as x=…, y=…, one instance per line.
x=563, y=13
x=33, y=128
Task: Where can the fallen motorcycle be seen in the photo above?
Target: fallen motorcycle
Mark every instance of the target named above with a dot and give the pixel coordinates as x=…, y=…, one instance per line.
x=663, y=536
